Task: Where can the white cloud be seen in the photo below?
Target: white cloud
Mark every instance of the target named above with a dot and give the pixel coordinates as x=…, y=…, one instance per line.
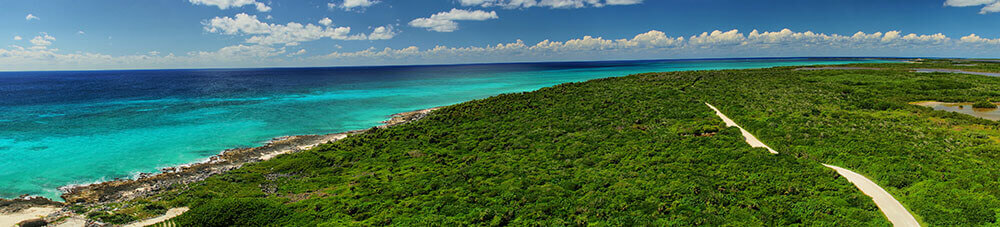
x=964, y=3
x=989, y=6
x=326, y=21
x=382, y=33
x=558, y=4
x=622, y=2
x=42, y=40
x=648, y=45
x=352, y=4
x=226, y=4
x=445, y=21
x=656, y=44
x=20, y=58
x=17, y=37
x=297, y=53
x=262, y=7
x=731, y=37
x=975, y=39
x=80, y=33
x=290, y=34
x=31, y=17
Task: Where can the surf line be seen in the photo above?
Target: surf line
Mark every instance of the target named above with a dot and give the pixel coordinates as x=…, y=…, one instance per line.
x=893, y=210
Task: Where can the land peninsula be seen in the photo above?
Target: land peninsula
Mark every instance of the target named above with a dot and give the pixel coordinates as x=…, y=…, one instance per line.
x=641, y=149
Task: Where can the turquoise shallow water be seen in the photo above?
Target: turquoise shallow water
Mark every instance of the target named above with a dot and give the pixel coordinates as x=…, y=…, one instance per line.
x=62, y=128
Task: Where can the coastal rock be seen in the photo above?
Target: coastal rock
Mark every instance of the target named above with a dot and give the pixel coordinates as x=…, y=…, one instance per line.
x=24, y=202
x=33, y=223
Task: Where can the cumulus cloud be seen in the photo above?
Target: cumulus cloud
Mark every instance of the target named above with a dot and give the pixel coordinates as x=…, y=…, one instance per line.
x=290, y=34
x=42, y=40
x=226, y=4
x=31, y=17
x=989, y=6
x=557, y=4
x=353, y=4
x=975, y=39
x=445, y=21
x=17, y=37
x=326, y=21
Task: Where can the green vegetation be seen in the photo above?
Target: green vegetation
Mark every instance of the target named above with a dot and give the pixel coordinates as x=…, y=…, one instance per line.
x=234, y=212
x=122, y=213
x=643, y=150
x=984, y=104
x=973, y=65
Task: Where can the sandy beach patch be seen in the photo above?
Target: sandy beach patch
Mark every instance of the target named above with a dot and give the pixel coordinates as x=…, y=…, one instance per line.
x=12, y=219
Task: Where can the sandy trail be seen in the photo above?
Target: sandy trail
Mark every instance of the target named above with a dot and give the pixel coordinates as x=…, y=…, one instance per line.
x=26, y=214
x=171, y=213
x=752, y=140
x=893, y=210
x=955, y=71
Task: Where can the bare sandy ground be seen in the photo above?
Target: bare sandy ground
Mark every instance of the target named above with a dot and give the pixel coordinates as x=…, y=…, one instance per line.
x=171, y=213
x=752, y=140
x=893, y=210
x=26, y=214
x=328, y=138
x=72, y=221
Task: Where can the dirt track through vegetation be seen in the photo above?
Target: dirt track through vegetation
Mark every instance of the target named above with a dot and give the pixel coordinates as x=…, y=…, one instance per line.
x=893, y=210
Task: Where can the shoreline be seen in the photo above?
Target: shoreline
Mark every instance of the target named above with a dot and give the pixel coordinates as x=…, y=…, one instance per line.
x=151, y=183
x=147, y=184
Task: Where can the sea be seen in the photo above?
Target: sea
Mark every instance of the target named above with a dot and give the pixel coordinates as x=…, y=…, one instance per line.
x=79, y=127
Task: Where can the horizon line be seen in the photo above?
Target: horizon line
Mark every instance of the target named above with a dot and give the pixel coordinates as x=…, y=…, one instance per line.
x=481, y=63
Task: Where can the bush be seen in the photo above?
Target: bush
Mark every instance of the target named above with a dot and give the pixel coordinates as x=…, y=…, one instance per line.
x=234, y=212
x=984, y=104
x=155, y=208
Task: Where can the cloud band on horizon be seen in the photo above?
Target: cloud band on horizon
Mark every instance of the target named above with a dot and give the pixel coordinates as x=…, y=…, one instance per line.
x=647, y=45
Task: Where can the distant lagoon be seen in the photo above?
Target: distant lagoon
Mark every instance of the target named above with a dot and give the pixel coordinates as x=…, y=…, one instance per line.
x=62, y=128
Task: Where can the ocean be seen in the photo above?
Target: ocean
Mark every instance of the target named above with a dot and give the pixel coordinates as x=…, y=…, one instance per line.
x=79, y=127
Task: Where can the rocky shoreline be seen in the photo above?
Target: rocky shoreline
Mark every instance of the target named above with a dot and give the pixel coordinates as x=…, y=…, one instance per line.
x=148, y=184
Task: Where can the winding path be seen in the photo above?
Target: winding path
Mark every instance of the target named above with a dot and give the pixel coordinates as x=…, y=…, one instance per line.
x=893, y=210
x=171, y=213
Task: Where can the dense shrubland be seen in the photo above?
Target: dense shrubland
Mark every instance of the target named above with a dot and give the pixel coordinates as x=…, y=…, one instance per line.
x=943, y=166
x=643, y=150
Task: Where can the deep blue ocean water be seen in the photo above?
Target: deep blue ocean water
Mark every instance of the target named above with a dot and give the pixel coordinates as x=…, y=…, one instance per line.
x=62, y=128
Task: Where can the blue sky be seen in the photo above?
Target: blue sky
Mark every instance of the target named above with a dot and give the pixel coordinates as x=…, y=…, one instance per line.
x=125, y=34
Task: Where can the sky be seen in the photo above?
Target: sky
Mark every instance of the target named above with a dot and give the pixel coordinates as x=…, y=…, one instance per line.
x=154, y=34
